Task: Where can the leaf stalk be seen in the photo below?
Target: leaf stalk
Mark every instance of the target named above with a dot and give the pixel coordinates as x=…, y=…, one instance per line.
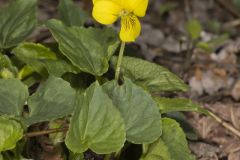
x=119, y=62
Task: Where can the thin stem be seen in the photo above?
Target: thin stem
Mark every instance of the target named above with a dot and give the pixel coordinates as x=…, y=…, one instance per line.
x=191, y=45
x=40, y=133
x=107, y=156
x=225, y=124
x=119, y=62
x=98, y=79
x=118, y=154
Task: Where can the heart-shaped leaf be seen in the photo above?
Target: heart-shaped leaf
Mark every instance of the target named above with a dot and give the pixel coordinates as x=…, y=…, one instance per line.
x=89, y=49
x=150, y=76
x=71, y=14
x=96, y=124
x=13, y=95
x=54, y=99
x=138, y=109
x=171, y=145
x=18, y=20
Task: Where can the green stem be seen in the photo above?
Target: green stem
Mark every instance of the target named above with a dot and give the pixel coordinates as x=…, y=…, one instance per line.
x=98, y=79
x=119, y=62
x=107, y=157
x=118, y=154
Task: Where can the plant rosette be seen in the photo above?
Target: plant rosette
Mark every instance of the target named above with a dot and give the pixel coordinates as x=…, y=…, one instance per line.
x=69, y=83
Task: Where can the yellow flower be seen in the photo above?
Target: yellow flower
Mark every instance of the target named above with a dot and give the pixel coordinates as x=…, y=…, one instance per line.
x=108, y=11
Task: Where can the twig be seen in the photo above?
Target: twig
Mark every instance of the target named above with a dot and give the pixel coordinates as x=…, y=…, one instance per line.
x=230, y=9
x=44, y=132
x=233, y=23
x=225, y=124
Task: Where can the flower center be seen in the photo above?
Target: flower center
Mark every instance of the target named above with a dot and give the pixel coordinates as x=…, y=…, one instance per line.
x=124, y=13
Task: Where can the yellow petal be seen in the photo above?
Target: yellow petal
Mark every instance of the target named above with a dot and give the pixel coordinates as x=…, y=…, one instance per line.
x=138, y=7
x=106, y=11
x=130, y=28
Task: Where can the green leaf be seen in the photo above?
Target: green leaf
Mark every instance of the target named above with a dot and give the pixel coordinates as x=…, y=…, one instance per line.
x=40, y=58
x=31, y=54
x=16, y=153
x=54, y=99
x=58, y=137
x=25, y=72
x=89, y=49
x=194, y=28
x=10, y=133
x=138, y=109
x=184, y=123
x=33, y=51
x=219, y=40
x=7, y=70
x=172, y=145
x=70, y=14
x=150, y=76
x=76, y=156
x=7, y=74
x=177, y=104
x=13, y=95
x=96, y=124
x=210, y=45
x=59, y=67
x=156, y=151
x=5, y=63
x=175, y=139
x=205, y=46
x=18, y=20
